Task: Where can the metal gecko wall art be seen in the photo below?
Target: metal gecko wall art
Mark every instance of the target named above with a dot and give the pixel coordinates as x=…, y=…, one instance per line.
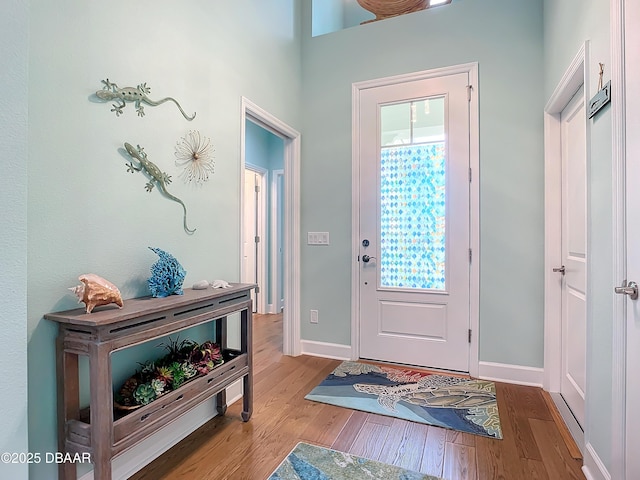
x=155, y=175
x=138, y=95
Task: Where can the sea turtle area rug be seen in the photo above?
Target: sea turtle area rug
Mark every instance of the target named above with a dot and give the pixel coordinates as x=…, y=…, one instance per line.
x=457, y=403
x=310, y=462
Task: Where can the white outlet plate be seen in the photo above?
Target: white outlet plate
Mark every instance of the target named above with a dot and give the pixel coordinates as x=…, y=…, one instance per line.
x=313, y=316
x=317, y=238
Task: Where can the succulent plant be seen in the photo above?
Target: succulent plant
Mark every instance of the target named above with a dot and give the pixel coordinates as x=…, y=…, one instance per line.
x=144, y=394
x=125, y=396
x=205, y=353
x=177, y=373
x=177, y=350
x=189, y=370
x=158, y=386
x=164, y=374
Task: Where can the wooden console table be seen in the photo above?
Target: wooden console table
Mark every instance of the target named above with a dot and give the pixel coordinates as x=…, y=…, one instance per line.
x=106, y=433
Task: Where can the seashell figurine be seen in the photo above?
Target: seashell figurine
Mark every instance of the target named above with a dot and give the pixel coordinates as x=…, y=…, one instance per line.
x=96, y=291
x=167, y=275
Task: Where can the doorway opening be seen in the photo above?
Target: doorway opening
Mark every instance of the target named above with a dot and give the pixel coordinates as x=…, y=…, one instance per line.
x=280, y=287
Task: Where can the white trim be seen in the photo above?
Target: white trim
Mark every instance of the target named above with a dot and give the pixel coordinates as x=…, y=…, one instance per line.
x=593, y=467
x=569, y=420
x=619, y=447
x=291, y=313
x=575, y=76
x=140, y=455
x=276, y=301
x=474, y=159
x=517, y=374
x=261, y=260
x=326, y=350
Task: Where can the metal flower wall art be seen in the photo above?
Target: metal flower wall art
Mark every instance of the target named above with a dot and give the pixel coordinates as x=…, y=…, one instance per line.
x=194, y=153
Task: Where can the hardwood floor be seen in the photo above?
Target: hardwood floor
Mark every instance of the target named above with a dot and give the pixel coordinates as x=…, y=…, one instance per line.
x=228, y=449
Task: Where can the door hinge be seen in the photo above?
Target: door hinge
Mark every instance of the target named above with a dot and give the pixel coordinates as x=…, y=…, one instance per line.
x=257, y=239
x=257, y=188
x=470, y=174
x=469, y=89
x=469, y=335
x=257, y=290
x=470, y=255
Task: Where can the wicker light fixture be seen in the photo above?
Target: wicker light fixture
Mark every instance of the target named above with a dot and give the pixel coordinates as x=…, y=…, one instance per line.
x=392, y=8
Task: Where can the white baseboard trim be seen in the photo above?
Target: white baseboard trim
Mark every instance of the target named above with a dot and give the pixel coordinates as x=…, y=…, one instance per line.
x=569, y=420
x=593, y=468
x=502, y=372
x=134, y=459
x=326, y=350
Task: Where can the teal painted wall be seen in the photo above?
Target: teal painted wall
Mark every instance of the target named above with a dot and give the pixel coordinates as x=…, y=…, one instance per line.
x=85, y=212
x=505, y=38
x=14, y=38
x=568, y=24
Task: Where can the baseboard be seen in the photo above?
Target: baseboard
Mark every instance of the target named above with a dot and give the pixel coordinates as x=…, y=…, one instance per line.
x=593, y=468
x=570, y=421
x=502, y=372
x=134, y=459
x=326, y=350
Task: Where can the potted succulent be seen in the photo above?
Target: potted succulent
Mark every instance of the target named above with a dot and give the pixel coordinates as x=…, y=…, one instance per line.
x=183, y=361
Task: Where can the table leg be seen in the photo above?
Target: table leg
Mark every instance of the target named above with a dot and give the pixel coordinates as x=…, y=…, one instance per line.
x=68, y=402
x=101, y=410
x=246, y=332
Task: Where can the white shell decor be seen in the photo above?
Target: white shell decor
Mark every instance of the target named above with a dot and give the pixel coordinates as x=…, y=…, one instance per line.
x=204, y=284
x=194, y=153
x=96, y=291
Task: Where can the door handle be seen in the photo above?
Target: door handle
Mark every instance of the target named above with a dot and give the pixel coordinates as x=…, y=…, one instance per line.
x=630, y=289
x=559, y=270
x=367, y=258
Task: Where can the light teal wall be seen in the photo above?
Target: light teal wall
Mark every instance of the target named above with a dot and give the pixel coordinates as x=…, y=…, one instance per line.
x=85, y=212
x=14, y=28
x=333, y=15
x=328, y=16
x=505, y=38
x=568, y=24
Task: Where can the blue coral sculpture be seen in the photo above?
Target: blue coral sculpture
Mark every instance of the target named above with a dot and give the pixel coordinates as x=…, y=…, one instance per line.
x=167, y=275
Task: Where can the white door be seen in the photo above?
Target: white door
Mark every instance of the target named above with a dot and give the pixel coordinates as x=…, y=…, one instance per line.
x=252, y=257
x=632, y=65
x=414, y=222
x=574, y=255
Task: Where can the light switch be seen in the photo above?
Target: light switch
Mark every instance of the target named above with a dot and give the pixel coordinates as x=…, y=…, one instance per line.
x=317, y=238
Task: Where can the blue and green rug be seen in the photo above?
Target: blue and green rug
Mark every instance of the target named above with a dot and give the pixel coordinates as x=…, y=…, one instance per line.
x=309, y=462
x=457, y=403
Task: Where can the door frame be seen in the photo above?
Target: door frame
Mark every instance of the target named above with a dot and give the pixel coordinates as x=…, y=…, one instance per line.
x=277, y=304
x=261, y=250
x=575, y=76
x=474, y=199
x=291, y=314
x=621, y=450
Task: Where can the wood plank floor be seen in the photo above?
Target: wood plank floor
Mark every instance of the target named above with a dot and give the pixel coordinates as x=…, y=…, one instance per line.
x=228, y=449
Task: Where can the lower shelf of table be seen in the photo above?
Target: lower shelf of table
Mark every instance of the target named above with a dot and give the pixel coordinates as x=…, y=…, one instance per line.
x=140, y=423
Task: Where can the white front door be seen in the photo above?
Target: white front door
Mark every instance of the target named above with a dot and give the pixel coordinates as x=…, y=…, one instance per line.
x=414, y=253
x=574, y=255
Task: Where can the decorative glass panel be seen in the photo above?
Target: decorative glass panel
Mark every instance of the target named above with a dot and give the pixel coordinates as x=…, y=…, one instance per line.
x=412, y=216
x=413, y=194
